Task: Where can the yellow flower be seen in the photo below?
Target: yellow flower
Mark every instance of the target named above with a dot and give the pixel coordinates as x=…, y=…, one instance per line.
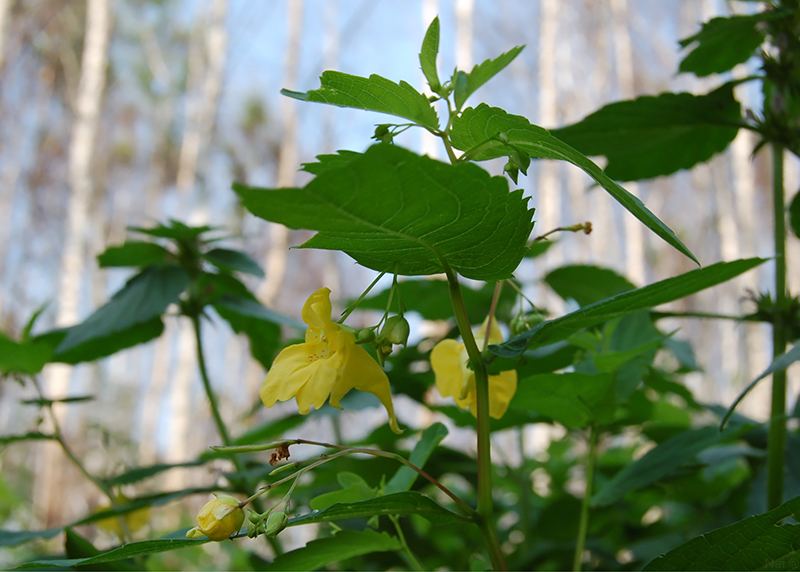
x=328, y=363
x=454, y=379
x=219, y=519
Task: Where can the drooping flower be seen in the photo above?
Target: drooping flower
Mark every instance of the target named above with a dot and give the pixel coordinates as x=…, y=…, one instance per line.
x=454, y=378
x=329, y=363
x=219, y=519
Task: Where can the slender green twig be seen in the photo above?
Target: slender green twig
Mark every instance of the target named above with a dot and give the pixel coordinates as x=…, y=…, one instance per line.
x=412, y=560
x=212, y=399
x=355, y=304
x=777, y=425
x=495, y=297
x=587, y=497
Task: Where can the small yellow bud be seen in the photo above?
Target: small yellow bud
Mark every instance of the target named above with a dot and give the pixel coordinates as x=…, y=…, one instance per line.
x=396, y=330
x=276, y=522
x=220, y=518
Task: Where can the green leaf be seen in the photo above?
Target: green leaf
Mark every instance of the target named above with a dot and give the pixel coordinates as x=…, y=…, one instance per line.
x=482, y=73
x=779, y=363
x=794, y=215
x=539, y=247
x=249, y=306
x=661, y=461
x=39, y=402
x=102, y=346
x=586, y=284
x=404, y=478
x=15, y=537
x=658, y=135
x=476, y=131
x=626, y=303
x=354, y=488
x=394, y=211
x=27, y=357
x=133, y=253
x=245, y=316
x=144, y=297
x=77, y=547
x=573, y=399
x=409, y=502
x=428, y=53
x=30, y=436
x=233, y=260
x=723, y=43
x=374, y=94
x=760, y=542
x=346, y=544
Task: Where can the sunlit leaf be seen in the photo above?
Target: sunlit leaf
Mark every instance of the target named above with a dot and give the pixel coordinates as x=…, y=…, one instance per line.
x=394, y=211
x=428, y=53
x=488, y=133
x=375, y=93
x=482, y=73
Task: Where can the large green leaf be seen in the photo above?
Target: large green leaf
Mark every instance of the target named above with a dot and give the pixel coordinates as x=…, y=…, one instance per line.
x=723, y=43
x=488, y=132
x=573, y=399
x=375, y=93
x=657, y=135
x=394, y=211
x=23, y=357
x=586, y=284
x=106, y=345
x=144, y=297
x=650, y=296
x=407, y=502
x=465, y=84
x=660, y=462
x=404, y=478
x=323, y=551
x=761, y=542
x=428, y=53
x=135, y=253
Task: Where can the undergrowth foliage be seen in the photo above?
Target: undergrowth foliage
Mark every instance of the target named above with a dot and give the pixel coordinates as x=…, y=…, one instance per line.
x=713, y=491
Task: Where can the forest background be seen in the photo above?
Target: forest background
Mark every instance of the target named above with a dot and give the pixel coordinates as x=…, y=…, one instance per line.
x=125, y=113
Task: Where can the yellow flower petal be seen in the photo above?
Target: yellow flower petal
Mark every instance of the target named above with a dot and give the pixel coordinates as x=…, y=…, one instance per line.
x=448, y=365
x=502, y=388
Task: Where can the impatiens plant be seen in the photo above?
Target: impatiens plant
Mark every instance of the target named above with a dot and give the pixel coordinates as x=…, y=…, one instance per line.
x=625, y=474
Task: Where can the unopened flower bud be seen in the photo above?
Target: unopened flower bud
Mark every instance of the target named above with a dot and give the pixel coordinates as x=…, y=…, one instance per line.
x=276, y=522
x=396, y=330
x=219, y=519
x=365, y=335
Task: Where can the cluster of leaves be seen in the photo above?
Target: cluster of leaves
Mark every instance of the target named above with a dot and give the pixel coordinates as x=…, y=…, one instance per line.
x=604, y=375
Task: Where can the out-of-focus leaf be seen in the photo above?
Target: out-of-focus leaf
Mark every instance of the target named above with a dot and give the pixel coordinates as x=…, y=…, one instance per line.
x=487, y=133
x=346, y=544
x=760, y=542
x=142, y=473
x=394, y=211
x=136, y=254
x=45, y=402
x=264, y=335
x=26, y=357
x=408, y=502
x=31, y=436
x=230, y=260
x=651, y=136
x=404, y=478
x=723, y=43
x=175, y=230
x=354, y=488
x=794, y=215
x=573, y=399
x=661, y=461
x=375, y=93
x=144, y=297
x=77, y=547
x=586, y=284
x=626, y=303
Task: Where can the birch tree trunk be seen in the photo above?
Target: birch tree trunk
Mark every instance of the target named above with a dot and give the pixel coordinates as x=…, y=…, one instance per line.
x=549, y=200
x=209, y=64
x=275, y=263
x=5, y=16
x=87, y=115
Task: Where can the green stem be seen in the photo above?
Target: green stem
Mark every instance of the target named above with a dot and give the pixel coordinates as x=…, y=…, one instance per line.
x=704, y=315
x=355, y=304
x=412, y=560
x=777, y=425
x=478, y=366
x=212, y=400
x=587, y=497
